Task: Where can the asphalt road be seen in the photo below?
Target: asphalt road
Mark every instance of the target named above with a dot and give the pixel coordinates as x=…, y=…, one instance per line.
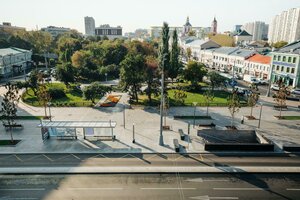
x=92, y=160
x=150, y=186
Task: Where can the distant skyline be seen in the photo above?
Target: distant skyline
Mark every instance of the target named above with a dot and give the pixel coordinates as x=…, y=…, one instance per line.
x=134, y=14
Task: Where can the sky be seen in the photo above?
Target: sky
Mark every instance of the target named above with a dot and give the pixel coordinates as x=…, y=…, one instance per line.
x=133, y=14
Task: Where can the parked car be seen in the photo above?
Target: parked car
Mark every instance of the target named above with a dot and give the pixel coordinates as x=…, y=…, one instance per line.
x=295, y=91
x=275, y=87
x=262, y=81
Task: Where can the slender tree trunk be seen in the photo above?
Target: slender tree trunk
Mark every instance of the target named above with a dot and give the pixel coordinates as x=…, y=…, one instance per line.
x=135, y=94
x=280, y=112
x=232, y=120
x=251, y=111
x=45, y=107
x=11, y=135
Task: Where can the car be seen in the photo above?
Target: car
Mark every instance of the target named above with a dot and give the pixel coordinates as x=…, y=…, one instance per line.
x=275, y=87
x=262, y=81
x=295, y=91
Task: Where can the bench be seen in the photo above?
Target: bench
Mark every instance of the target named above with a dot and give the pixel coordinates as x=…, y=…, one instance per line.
x=176, y=145
x=282, y=107
x=182, y=136
x=7, y=126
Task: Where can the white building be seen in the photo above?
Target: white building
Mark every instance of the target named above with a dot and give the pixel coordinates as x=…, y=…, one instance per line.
x=258, y=66
x=89, y=24
x=242, y=38
x=197, y=46
x=285, y=26
x=55, y=31
x=108, y=31
x=14, y=61
x=258, y=30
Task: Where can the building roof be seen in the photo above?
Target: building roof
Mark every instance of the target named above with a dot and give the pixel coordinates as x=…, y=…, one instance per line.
x=12, y=50
x=243, y=33
x=257, y=58
x=199, y=42
x=226, y=50
x=293, y=47
x=245, y=53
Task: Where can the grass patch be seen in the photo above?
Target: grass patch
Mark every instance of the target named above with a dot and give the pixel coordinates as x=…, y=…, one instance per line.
x=219, y=100
x=73, y=98
x=26, y=117
x=8, y=142
x=192, y=117
x=290, y=117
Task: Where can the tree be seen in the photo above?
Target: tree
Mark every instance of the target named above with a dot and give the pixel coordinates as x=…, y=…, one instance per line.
x=32, y=82
x=180, y=96
x=279, y=44
x=9, y=106
x=280, y=97
x=252, y=98
x=208, y=98
x=191, y=33
x=175, y=64
x=95, y=90
x=66, y=46
x=43, y=95
x=132, y=74
x=66, y=73
x=189, y=53
x=216, y=80
x=151, y=74
x=194, y=72
x=233, y=105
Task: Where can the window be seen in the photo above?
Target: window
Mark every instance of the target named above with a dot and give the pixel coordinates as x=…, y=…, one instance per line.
x=289, y=59
x=283, y=58
x=275, y=57
x=282, y=68
x=277, y=68
x=294, y=60
x=287, y=70
x=293, y=70
x=279, y=58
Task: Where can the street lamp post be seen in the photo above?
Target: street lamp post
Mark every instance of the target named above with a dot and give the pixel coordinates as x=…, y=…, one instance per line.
x=105, y=77
x=133, y=134
x=124, y=107
x=270, y=82
x=195, y=105
x=261, y=106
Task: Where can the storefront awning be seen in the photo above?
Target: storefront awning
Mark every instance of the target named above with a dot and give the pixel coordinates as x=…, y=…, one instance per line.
x=78, y=124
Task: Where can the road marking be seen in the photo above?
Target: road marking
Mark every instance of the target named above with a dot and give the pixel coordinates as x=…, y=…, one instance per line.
x=32, y=157
x=18, y=158
x=201, y=157
x=22, y=189
x=293, y=189
x=94, y=188
x=241, y=188
x=48, y=158
x=168, y=188
x=75, y=156
x=200, y=180
x=209, y=198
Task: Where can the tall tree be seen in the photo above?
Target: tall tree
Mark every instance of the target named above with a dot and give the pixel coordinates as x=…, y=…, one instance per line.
x=216, y=80
x=9, y=106
x=280, y=97
x=95, y=90
x=208, y=98
x=252, y=98
x=132, y=74
x=66, y=73
x=175, y=64
x=151, y=74
x=194, y=72
x=233, y=105
x=43, y=95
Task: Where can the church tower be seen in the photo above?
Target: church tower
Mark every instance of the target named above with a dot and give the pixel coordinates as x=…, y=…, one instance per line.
x=214, y=26
x=187, y=27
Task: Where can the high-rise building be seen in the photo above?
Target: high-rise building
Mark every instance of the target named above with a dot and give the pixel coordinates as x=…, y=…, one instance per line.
x=285, y=26
x=89, y=24
x=258, y=30
x=214, y=26
x=108, y=31
x=55, y=31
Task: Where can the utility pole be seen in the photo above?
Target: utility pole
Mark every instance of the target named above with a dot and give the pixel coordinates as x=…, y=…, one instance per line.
x=261, y=105
x=161, y=142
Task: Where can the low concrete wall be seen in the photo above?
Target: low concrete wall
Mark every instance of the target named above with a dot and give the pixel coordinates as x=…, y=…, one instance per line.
x=238, y=147
x=291, y=148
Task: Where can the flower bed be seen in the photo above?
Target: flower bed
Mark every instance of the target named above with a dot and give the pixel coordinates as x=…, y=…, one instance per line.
x=111, y=100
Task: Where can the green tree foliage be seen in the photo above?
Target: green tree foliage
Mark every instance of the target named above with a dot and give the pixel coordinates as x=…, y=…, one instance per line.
x=189, y=53
x=132, y=74
x=233, y=105
x=216, y=80
x=191, y=33
x=95, y=90
x=280, y=97
x=66, y=73
x=208, y=98
x=252, y=98
x=66, y=46
x=151, y=77
x=180, y=96
x=194, y=72
x=175, y=64
x=164, y=54
x=9, y=106
x=279, y=44
x=43, y=95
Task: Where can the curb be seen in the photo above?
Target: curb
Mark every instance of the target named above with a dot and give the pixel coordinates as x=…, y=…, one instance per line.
x=134, y=170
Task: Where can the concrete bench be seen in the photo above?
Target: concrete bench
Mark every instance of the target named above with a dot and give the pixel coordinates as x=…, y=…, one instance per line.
x=282, y=107
x=181, y=133
x=176, y=145
x=7, y=126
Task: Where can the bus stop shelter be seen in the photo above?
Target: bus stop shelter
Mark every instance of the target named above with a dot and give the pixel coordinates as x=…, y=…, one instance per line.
x=68, y=129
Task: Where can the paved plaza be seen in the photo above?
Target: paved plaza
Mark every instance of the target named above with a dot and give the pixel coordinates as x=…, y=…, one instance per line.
x=146, y=122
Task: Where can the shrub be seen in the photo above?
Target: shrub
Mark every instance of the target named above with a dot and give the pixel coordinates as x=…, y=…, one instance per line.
x=57, y=93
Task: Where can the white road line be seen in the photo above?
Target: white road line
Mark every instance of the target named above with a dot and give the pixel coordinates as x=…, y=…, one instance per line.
x=209, y=198
x=18, y=158
x=241, y=188
x=223, y=198
x=76, y=156
x=94, y=188
x=22, y=189
x=48, y=158
x=293, y=189
x=168, y=188
x=215, y=180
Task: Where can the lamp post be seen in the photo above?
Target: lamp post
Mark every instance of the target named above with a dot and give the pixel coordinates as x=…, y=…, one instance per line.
x=261, y=105
x=270, y=82
x=49, y=105
x=124, y=107
x=133, y=139
x=195, y=104
x=105, y=77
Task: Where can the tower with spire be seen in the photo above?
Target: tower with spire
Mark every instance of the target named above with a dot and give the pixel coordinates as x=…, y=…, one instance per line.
x=187, y=27
x=214, y=26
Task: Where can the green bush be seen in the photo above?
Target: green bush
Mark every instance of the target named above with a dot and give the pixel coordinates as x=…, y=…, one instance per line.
x=57, y=93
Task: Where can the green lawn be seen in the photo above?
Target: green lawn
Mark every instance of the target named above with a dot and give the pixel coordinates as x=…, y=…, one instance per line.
x=219, y=100
x=290, y=117
x=26, y=117
x=8, y=142
x=73, y=97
